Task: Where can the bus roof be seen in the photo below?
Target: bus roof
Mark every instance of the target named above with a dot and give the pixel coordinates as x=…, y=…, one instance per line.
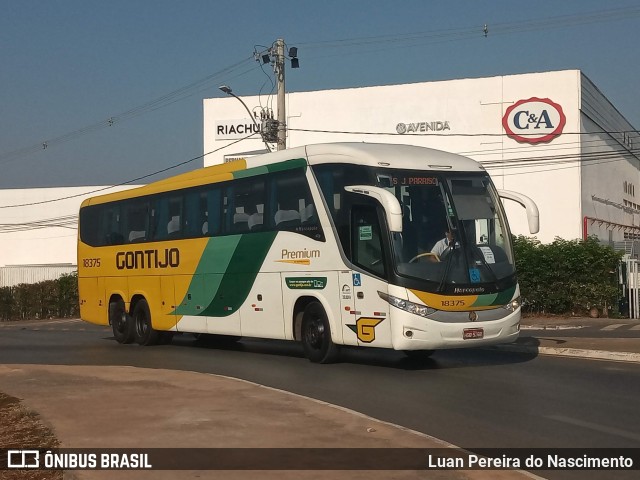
x=396, y=155
x=371, y=154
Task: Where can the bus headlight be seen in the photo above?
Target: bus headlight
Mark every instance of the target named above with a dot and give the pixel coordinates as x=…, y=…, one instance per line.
x=513, y=305
x=406, y=305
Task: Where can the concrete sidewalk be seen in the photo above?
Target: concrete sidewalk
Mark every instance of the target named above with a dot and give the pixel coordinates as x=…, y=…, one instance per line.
x=539, y=335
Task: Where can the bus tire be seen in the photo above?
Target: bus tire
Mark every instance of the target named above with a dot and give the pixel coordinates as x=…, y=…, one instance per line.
x=144, y=333
x=121, y=322
x=316, y=335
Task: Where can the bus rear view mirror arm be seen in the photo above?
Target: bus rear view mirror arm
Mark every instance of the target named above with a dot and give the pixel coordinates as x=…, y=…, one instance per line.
x=391, y=205
x=533, y=216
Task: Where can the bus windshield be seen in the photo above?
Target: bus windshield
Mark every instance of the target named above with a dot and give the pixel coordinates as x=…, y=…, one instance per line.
x=454, y=228
x=454, y=236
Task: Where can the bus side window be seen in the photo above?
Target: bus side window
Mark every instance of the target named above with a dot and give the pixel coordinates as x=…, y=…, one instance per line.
x=174, y=224
x=195, y=208
x=291, y=204
x=212, y=218
x=247, y=198
x=287, y=215
x=136, y=220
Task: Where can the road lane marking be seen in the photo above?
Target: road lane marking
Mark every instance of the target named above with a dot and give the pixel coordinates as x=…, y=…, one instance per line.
x=613, y=327
x=594, y=426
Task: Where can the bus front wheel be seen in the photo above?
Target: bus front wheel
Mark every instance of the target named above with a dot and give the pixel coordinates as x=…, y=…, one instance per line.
x=316, y=335
x=121, y=322
x=145, y=334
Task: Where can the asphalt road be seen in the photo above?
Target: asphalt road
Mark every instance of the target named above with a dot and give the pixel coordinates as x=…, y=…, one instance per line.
x=471, y=398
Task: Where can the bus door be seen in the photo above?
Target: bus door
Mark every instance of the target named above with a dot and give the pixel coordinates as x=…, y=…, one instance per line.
x=371, y=317
x=347, y=307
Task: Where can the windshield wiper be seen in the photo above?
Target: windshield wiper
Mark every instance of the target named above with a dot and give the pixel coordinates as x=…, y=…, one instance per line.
x=447, y=266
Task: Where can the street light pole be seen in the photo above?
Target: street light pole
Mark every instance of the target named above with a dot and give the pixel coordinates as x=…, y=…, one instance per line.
x=226, y=89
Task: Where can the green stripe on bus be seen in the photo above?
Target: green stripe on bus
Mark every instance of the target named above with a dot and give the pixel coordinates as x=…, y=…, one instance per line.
x=276, y=167
x=288, y=165
x=250, y=172
x=501, y=298
x=206, y=280
x=485, y=300
x=241, y=273
x=506, y=296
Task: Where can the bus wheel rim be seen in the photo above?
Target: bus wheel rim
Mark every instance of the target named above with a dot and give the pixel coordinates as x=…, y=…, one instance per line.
x=315, y=334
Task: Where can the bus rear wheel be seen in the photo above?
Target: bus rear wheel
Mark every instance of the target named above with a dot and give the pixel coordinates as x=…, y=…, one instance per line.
x=144, y=333
x=316, y=335
x=121, y=322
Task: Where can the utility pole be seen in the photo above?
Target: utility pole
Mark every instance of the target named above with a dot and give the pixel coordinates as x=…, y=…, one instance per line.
x=282, y=116
x=276, y=130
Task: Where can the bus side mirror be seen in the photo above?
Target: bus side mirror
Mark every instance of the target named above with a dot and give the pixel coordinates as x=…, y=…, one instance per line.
x=390, y=204
x=533, y=216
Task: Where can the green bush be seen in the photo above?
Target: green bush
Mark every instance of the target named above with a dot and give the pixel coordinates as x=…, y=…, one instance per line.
x=51, y=298
x=566, y=276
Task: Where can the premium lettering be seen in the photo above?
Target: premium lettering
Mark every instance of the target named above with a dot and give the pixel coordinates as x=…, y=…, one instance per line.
x=296, y=254
x=142, y=259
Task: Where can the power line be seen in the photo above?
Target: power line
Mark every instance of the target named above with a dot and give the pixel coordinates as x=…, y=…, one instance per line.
x=150, y=106
x=546, y=161
x=66, y=221
x=436, y=134
x=507, y=163
x=476, y=31
x=394, y=41
x=128, y=182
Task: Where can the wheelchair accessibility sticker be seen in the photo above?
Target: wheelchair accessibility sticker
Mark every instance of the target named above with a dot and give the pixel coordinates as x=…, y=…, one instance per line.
x=357, y=282
x=474, y=274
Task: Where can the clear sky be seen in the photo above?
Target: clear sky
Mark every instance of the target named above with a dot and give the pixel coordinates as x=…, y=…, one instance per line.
x=114, y=88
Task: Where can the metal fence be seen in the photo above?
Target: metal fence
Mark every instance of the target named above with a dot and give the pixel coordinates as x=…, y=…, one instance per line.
x=630, y=280
x=13, y=275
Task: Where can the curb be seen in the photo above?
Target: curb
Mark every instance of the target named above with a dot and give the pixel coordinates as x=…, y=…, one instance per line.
x=628, y=357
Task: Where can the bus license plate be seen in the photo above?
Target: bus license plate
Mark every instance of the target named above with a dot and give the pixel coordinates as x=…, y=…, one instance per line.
x=470, y=333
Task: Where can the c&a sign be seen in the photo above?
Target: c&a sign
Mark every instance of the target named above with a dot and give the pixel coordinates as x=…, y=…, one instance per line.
x=535, y=120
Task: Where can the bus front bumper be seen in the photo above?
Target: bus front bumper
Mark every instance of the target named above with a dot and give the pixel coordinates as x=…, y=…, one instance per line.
x=411, y=332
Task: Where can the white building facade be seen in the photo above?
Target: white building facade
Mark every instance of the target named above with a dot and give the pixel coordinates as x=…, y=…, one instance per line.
x=39, y=230
x=552, y=136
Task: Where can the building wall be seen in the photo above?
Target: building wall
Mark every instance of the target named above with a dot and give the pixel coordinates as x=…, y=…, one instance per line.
x=472, y=109
x=29, y=235
x=610, y=174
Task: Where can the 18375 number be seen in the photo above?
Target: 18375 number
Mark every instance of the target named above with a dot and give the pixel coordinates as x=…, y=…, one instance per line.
x=453, y=303
x=90, y=262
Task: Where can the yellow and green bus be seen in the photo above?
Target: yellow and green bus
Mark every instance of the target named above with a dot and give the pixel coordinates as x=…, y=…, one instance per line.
x=328, y=245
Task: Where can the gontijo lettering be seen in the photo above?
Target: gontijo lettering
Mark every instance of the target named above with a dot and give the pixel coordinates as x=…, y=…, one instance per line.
x=141, y=259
